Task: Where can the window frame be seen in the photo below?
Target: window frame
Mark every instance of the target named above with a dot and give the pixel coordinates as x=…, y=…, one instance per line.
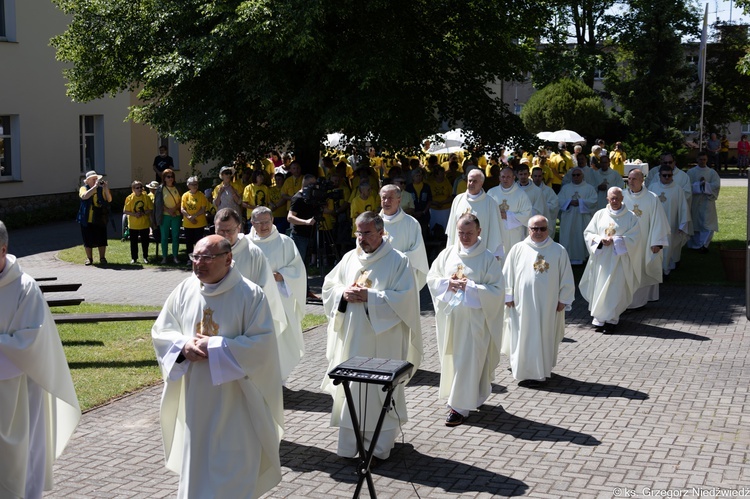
x=97, y=133
x=8, y=20
x=14, y=138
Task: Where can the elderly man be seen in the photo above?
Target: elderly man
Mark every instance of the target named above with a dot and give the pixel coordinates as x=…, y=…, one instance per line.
x=515, y=209
x=291, y=281
x=251, y=263
x=613, y=271
x=705, y=184
x=221, y=409
x=578, y=201
x=465, y=282
x=539, y=287
x=404, y=232
x=477, y=202
x=372, y=305
x=654, y=228
x=604, y=179
x=675, y=206
x=39, y=408
x=551, y=202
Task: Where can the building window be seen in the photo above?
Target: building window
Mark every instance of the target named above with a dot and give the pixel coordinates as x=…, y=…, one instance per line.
x=691, y=128
x=91, y=129
x=745, y=128
x=8, y=20
x=598, y=74
x=9, y=148
x=173, y=149
x=691, y=59
x=517, y=109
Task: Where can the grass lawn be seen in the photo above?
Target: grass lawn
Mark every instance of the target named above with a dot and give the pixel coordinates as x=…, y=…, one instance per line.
x=110, y=359
x=118, y=254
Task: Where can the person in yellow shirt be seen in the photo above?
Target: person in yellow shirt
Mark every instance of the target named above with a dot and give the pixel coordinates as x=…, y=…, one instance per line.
x=194, y=209
x=278, y=204
x=617, y=158
x=292, y=184
x=364, y=201
x=138, y=208
x=256, y=194
x=559, y=163
x=442, y=199
x=167, y=207
x=422, y=195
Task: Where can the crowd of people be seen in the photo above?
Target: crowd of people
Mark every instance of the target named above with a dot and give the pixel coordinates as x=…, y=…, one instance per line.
x=230, y=334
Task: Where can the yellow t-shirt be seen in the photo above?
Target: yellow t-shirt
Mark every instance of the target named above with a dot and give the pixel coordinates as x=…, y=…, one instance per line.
x=442, y=192
x=256, y=195
x=617, y=161
x=274, y=196
x=192, y=203
x=290, y=188
x=138, y=204
x=359, y=206
x=171, y=197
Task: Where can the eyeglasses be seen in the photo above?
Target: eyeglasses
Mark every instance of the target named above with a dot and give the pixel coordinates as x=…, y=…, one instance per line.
x=262, y=222
x=221, y=232
x=137, y=188
x=195, y=258
x=168, y=176
x=538, y=229
x=666, y=175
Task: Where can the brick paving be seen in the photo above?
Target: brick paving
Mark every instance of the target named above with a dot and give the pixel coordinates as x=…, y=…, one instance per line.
x=661, y=406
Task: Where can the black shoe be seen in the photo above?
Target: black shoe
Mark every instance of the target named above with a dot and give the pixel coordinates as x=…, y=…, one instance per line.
x=599, y=329
x=454, y=419
x=609, y=328
x=530, y=383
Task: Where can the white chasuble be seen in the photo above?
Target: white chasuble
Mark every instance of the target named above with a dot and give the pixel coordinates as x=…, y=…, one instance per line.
x=468, y=337
x=612, y=273
x=38, y=405
x=387, y=326
x=283, y=257
x=537, y=278
x=222, y=418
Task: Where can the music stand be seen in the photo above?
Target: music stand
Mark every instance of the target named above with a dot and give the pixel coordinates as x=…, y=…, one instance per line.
x=387, y=372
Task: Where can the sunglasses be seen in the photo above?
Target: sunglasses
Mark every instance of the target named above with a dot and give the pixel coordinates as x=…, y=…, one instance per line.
x=538, y=229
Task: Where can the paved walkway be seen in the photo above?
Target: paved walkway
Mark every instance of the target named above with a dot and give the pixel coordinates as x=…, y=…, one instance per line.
x=660, y=407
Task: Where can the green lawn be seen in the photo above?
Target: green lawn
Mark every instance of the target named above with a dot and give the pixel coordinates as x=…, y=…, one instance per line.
x=110, y=359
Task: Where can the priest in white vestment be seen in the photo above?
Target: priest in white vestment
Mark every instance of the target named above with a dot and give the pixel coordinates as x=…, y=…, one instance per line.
x=682, y=180
x=221, y=409
x=705, y=183
x=251, y=262
x=604, y=179
x=538, y=205
x=38, y=405
x=613, y=272
x=466, y=284
x=515, y=209
x=578, y=203
x=404, y=232
x=372, y=305
x=552, y=203
x=539, y=287
x=478, y=203
x=654, y=228
x=675, y=206
x=291, y=280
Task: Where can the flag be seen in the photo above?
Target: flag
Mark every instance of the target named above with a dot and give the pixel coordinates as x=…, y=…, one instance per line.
x=702, y=52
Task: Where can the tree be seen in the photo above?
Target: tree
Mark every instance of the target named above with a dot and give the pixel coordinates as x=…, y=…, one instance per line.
x=727, y=98
x=236, y=75
x=651, y=83
x=566, y=104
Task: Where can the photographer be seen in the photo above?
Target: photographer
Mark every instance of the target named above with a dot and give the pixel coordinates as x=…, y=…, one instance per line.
x=301, y=216
x=93, y=215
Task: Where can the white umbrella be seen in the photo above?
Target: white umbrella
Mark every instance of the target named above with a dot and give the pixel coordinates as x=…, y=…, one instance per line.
x=561, y=136
x=333, y=140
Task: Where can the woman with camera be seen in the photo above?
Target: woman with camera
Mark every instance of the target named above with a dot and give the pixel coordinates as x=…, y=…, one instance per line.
x=93, y=215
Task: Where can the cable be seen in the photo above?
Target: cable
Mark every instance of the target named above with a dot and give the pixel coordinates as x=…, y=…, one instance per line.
x=403, y=442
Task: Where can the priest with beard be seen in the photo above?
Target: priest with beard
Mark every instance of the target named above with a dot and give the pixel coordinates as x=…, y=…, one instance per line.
x=466, y=284
x=672, y=199
x=39, y=409
x=222, y=414
x=404, y=232
x=251, y=262
x=291, y=281
x=372, y=305
x=515, y=209
x=654, y=228
x=539, y=287
x=613, y=271
x=481, y=205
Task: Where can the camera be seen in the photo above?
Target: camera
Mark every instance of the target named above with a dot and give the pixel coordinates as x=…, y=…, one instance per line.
x=101, y=182
x=321, y=191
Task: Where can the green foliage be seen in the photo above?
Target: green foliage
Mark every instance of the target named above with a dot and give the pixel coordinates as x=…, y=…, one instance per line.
x=727, y=97
x=246, y=75
x=568, y=104
x=651, y=81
